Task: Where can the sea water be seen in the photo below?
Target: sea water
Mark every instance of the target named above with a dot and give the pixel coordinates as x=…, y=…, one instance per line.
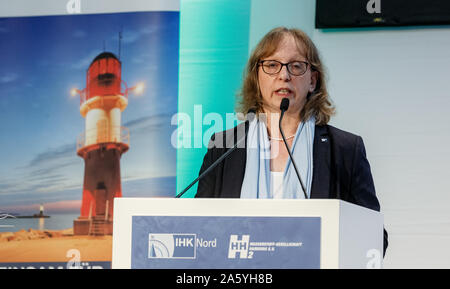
x=55, y=222
x=152, y=187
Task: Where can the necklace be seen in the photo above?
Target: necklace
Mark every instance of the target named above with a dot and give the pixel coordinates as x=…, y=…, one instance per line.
x=280, y=139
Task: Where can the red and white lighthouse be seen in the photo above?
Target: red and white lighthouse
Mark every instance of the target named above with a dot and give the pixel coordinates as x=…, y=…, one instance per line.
x=102, y=144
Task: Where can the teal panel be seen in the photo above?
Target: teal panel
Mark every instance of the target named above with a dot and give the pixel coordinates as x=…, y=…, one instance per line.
x=213, y=53
x=268, y=14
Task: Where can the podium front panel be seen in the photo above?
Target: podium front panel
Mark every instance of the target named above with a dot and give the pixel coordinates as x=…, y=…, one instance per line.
x=221, y=242
x=128, y=211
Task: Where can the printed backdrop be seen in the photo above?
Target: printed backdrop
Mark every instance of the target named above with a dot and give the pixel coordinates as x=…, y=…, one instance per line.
x=43, y=59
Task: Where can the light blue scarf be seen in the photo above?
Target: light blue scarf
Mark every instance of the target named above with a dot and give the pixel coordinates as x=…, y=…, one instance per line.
x=256, y=184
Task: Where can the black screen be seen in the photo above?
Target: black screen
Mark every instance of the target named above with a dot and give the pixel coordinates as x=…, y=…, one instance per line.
x=364, y=13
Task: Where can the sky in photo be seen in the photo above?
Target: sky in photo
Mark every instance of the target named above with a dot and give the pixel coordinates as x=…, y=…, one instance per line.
x=41, y=60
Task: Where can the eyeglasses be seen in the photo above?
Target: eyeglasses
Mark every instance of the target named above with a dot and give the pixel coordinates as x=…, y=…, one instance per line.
x=272, y=67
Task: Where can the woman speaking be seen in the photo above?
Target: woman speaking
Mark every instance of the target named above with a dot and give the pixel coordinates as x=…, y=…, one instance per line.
x=285, y=70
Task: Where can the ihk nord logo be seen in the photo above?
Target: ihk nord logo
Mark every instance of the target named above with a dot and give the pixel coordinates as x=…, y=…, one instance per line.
x=176, y=246
x=172, y=246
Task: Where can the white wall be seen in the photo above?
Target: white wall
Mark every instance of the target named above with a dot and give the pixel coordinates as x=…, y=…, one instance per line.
x=392, y=87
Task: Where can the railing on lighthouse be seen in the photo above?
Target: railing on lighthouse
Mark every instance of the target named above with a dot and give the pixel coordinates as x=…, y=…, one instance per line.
x=119, y=134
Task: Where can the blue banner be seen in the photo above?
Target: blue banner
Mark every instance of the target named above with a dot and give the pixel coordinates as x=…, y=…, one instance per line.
x=193, y=242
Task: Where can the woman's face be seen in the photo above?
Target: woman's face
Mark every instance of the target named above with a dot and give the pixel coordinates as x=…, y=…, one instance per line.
x=283, y=84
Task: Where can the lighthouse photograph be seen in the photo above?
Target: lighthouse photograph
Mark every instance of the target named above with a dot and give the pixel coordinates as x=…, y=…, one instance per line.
x=85, y=117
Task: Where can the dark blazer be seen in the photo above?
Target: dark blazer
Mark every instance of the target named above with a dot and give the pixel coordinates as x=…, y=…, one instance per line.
x=340, y=169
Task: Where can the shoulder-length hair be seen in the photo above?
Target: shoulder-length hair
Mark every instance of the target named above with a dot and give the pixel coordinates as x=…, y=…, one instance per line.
x=318, y=102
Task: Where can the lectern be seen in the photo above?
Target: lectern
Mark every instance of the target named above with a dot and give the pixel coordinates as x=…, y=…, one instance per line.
x=245, y=234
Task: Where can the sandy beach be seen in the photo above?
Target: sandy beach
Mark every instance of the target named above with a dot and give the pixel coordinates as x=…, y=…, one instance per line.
x=53, y=246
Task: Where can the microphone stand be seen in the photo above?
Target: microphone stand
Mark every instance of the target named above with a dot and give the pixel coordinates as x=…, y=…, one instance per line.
x=283, y=107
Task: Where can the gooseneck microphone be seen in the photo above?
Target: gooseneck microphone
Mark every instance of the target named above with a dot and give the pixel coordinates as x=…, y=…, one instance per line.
x=283, y=107
x=250, y=115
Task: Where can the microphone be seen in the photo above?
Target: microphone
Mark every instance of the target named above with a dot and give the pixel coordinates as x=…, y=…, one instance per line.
x=250, y=116
x=283, y=107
